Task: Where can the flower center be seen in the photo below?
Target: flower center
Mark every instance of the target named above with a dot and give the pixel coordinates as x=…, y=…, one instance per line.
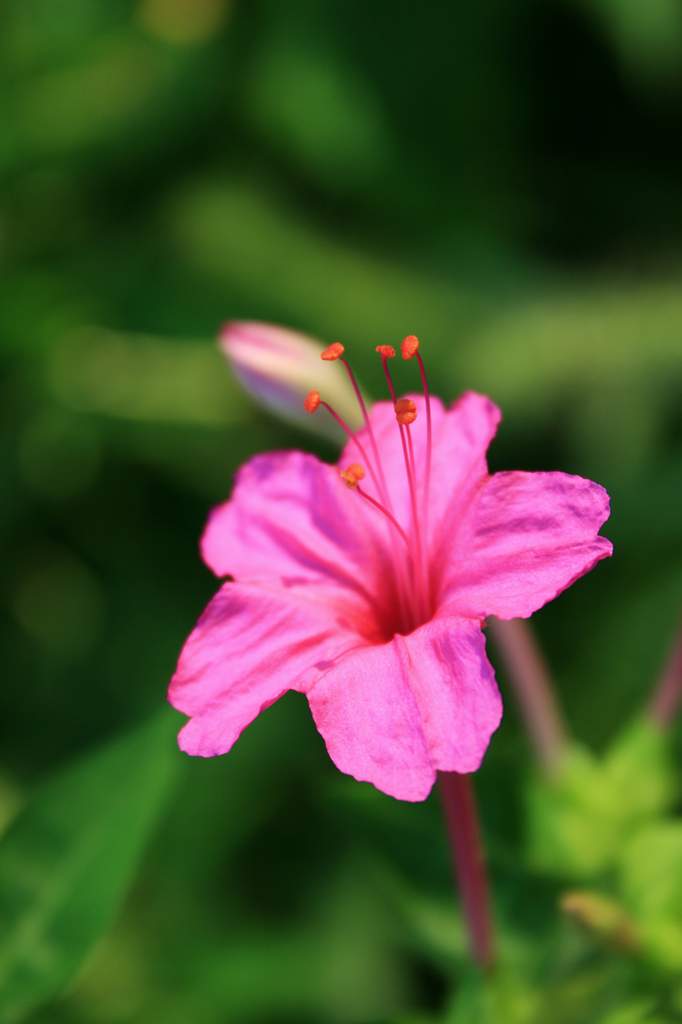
x=408, y=543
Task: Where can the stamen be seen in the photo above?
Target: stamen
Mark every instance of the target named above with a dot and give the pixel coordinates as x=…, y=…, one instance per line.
x=410, y=452
x=410, y=348
x=311, y=401
x=333, y=351
x=377, y=504
x=411, y=574
x=404, y=592
x=405, y=411
x=344, y=426
x=385, y=356
x=352, y=475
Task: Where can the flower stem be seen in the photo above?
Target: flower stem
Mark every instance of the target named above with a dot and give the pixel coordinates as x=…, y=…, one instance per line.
x=461, y=818
x=667, y=696
x=534, y=690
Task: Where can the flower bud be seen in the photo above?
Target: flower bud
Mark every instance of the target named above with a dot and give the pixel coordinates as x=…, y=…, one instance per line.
x=602, y=916
x=279, y=367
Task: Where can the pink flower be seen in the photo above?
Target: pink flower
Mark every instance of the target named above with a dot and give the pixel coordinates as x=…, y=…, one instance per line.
x=370, y=598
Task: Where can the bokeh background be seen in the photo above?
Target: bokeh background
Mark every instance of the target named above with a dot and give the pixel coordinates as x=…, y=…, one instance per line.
x=502, y=179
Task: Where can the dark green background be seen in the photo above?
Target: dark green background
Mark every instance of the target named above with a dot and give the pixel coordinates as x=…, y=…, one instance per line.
x=502, y=179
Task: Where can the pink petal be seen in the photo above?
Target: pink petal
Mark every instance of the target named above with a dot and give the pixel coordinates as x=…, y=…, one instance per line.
x=459, y=458
x=394, y=714
x=526, y=538
x=249, y=647
x=292, y=521
x=461, y=436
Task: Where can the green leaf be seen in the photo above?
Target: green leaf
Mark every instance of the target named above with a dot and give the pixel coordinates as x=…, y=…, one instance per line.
x=502, y=996
x=68, y=858
x=640, y=1012
x=647, y=37
x=651, y=881
x=578, y=822
x=639, y=765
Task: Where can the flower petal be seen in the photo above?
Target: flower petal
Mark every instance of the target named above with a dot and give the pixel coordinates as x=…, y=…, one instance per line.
x=459, y=462
x=249, y=647
x=292, y=521
x=526, y=537
x=394, y=714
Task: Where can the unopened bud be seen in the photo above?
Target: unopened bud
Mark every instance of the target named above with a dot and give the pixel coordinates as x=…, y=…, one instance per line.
x=601, y=916
x=279, y=367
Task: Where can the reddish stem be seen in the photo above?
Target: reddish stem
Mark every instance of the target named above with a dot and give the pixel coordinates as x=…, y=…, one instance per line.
x=461, y=818
x=667, y=696
x=529, y=675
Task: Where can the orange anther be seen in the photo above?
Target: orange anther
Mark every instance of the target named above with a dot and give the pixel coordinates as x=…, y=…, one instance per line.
x=409, y=346
x=333, y=351
x=386, y=351
x=405, y=411
x=311, y=401
x=352, y=475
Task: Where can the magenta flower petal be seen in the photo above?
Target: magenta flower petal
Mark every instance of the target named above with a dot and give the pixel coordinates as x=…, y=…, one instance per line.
x=369, y=597
x=289, y=519
x=394, y=714
x=459, y=457
x=249, y=647
x=526, y=538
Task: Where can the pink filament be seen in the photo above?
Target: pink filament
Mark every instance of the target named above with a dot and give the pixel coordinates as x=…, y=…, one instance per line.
x=402, y=591
x=391, y=518
x=418, y=554
x=352, y=437
x=370, y=432
x=429, y=437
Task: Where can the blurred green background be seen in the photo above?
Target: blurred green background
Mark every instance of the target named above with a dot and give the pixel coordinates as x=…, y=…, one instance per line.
x=502, y=179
